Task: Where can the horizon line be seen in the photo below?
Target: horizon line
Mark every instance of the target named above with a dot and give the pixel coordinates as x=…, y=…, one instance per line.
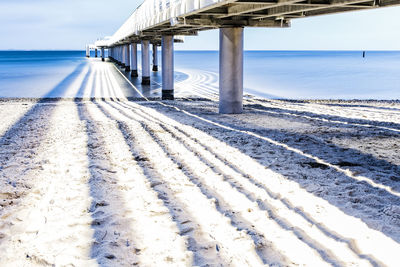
x=207, y=50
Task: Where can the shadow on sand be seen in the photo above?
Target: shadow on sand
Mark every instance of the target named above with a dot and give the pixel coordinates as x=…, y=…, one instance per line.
x=223, y=207
x=296, y=167
x=22, y=135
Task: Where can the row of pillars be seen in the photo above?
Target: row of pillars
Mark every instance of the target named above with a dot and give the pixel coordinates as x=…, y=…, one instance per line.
x=230, y=66
x=95, y=52
x=126, y=56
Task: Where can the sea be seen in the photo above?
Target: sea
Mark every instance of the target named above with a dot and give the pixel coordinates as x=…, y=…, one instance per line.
x=270, y=74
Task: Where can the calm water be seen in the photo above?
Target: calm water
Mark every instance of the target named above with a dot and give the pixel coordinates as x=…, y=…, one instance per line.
x=278, y=74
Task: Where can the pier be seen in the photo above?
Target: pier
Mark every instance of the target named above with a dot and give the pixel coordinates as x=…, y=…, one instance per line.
x=100, y=166
x=164, y=22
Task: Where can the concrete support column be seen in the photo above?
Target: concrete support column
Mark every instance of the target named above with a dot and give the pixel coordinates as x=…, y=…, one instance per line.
x=95, y=52
x=116, y=54
x=167, y=58
x=119, y=56
x=123, y=56
x=127, y=58
x=155, y=58
x=231, y=70
x=134, y=72
x=102, y=54
x=87, y=51
x=145, y=62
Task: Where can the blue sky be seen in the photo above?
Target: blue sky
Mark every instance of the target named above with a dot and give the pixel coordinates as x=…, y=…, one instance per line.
x=70, y=24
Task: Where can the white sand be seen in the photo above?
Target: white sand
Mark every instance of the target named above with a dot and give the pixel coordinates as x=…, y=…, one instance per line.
x=119, y=183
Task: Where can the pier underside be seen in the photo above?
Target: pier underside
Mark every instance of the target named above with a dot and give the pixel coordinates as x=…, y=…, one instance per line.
x=230, y=17
x=253, y=13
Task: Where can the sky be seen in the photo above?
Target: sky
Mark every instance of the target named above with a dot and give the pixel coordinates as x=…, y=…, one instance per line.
x=70, y=24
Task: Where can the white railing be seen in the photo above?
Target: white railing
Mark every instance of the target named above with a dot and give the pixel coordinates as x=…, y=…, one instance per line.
x=153, y=12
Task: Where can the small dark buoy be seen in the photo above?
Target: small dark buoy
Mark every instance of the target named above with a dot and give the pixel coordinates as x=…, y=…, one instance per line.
x=363, y=53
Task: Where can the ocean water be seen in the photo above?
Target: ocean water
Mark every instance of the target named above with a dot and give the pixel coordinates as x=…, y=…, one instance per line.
x=272, y=74
x=36, y=73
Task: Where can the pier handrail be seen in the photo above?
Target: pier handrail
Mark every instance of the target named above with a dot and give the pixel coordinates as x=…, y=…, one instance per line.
x=161, y=21
x=154, y=18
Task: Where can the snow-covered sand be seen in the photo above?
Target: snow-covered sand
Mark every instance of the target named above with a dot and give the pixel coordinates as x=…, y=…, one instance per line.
x=113, y=182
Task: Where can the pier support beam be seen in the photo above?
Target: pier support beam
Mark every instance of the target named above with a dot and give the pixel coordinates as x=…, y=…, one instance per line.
x=167, y=58
x=155, y=58
x=123, y=56
x=120, y=56
x=87, y=51
x=102, y=54
x=231, y=70
x=117, y=54
x=145, y=62
x=134, y=72
x=95, y=52
x=127, y=58
x=120, y=59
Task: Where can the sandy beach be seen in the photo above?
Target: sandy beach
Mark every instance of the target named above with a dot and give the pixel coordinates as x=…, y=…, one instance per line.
x=106, y=181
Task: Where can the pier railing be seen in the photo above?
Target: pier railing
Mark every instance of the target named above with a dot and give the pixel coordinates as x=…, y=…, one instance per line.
x=161, y=21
